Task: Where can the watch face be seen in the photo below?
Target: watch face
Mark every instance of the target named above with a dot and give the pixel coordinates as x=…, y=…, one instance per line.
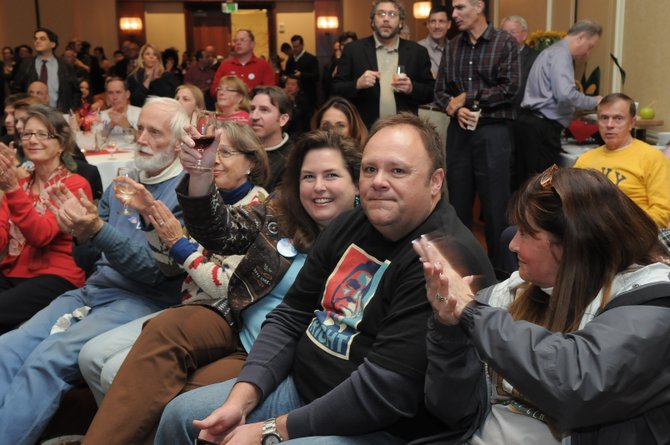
x=271, y=439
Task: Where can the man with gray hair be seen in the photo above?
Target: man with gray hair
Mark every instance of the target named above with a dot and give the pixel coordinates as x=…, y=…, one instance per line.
x=38, y=361
x=551, y=98
x=517, y=27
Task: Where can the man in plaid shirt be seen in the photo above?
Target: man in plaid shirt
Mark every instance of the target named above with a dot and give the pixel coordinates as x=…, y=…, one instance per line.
x=481, y=65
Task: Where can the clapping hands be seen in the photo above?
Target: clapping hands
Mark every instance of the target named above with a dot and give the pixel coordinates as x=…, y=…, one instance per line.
x=447, y=292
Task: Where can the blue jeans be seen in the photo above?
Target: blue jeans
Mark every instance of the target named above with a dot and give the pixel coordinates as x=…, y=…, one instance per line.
x=37, y=369
x=176, y=425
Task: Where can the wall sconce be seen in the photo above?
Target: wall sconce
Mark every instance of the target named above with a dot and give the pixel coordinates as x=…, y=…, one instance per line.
x=130, y=24
x=422, y=10
x=327, y=22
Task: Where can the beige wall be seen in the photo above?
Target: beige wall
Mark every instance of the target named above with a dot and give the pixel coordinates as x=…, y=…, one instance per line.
x=356, y=17
x=164, y=24
x=535, y=12
x=562, y=14
x=603, y=12
x=256, y=21
x=646, y=55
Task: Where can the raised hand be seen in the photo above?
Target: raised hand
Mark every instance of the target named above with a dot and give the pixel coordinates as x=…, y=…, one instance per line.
x=167, y=227
x=75, y=215
x=367, y=80
x=141, y=199
x=9, y=173
x=189, y=155
x=447, y=292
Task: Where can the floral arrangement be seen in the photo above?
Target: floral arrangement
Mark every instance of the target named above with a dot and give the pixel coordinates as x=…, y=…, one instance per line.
x=87, y=117
x=540, y=40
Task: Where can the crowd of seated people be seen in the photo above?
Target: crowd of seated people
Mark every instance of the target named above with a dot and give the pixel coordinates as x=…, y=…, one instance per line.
x=304, y=277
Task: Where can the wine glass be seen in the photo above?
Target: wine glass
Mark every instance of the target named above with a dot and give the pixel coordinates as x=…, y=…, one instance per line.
x=400, y=73
x=111, y=147
x=100, y=138
x=206, y=124
x=126, y=190
x=128, y=137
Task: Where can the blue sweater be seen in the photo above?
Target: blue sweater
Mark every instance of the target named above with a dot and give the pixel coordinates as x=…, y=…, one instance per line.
x=126, y=262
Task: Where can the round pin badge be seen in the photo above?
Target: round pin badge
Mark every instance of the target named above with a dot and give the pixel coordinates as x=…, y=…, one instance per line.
x=251, y=76
x=285, y=248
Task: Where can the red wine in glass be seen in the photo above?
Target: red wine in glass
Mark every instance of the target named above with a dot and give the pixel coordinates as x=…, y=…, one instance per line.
x=203, y=142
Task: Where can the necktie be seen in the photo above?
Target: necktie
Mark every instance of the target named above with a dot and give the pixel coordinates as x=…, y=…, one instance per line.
x=44, y=76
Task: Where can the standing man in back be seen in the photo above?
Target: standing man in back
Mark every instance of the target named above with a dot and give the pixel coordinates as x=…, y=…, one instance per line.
x=59, y=76
x=481, y=67
x=551, y=98
x=305, y=67
x=366, y=73
x=517, y=27
x=245, y=65
x=438, y=24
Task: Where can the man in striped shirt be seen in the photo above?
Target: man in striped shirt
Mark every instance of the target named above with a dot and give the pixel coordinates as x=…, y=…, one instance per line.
x=481, y=66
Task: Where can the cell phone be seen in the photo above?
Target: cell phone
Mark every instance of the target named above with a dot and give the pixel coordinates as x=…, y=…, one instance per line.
x=199, y=441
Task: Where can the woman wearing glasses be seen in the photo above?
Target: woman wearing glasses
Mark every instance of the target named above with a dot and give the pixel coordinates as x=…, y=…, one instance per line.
x=572, y=348
x=37, y=265
x=232, y=100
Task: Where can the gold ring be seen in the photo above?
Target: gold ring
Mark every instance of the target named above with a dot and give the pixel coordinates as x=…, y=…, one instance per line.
x=161, y=222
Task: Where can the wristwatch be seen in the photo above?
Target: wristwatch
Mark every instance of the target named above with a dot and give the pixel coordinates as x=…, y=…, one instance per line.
x=270, y=435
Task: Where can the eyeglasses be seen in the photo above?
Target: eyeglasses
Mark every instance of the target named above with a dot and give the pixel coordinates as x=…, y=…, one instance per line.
x=40, y=135
x=382, y=14
x=547, y=178
x=226, y=153
x=230, y=90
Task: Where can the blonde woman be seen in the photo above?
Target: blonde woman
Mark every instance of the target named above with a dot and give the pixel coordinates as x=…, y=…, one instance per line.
x=232, y=100
x=149, y=78
x=191, y=99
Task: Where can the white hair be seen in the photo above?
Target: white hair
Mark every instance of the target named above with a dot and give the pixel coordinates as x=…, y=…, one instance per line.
x=516, y=19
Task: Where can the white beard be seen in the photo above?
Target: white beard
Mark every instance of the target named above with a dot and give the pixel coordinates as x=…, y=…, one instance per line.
x=156, y=163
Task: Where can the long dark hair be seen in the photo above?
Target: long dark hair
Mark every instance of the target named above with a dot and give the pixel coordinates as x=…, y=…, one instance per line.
x=300, y=227
x=357, y=129
x=601, y=233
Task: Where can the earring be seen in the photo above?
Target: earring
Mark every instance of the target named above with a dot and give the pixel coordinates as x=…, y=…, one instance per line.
x=357, y=200
x=248, y=172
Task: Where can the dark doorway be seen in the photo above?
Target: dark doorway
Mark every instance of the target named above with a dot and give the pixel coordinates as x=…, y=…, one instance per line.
x=206, y=25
